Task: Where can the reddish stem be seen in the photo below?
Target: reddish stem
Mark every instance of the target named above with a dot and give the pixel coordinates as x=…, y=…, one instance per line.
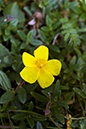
x=19, y=86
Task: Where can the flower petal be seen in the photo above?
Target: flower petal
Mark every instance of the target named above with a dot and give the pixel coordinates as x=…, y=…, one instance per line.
x=41, y=52
x=30, y=74
x=28, y=60
x=54, y=66
x=45, y=78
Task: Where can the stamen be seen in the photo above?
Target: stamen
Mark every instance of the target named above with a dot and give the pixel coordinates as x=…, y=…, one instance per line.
x=41, y=62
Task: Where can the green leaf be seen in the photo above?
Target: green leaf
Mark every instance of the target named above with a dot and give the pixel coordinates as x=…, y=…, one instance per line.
x=45, y=93
x=21, y=35
x=45, y=28
x=42, y=36
x=56, y=89
x=3, y=51
x=30, y=122
x=27, y=10
x=84, y=87
x=39, y=125
x=31, y=34
x=39, y=97
x=31, y=87
x=48, y=21
x=4, y=81
x=35, y=42
x=63, y=104
x=30, y=106
x=73, y=61
x=64, y=87
x=79, y=92
x=5, y=37
x=22, y=95
x=13, y=10
x=19, y=117
x=39, y=118
x=54, y=48
x=7, y=97
x=7, y=31
x=13, y=23
x=22, y=125
x=72, y=4
x=68, y=96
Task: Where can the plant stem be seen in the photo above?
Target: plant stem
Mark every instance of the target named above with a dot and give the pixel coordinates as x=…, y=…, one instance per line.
x=72, y=118
x=54, y=122
x=7, y=127
x=19, y=86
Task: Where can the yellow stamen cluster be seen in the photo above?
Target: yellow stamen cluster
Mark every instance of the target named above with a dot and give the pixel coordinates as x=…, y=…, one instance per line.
x=41, y=62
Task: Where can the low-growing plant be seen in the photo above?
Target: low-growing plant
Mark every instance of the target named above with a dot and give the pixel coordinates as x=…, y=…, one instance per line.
x=59, y=26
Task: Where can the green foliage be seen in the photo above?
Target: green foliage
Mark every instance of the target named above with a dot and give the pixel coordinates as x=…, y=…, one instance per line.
x=4, y=81
x=61, y=26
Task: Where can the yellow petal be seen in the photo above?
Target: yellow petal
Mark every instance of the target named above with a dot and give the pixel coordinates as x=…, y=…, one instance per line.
x=45, y=79
x=28, y=60
x=54, y=66
x=41, y=52
x=30, y=74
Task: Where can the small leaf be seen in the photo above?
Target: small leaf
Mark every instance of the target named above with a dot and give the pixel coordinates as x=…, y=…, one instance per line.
x=31, y=122
x=13, y=9
x=39, y=125
x=68, y=96
x=19, y=117
x=22, y=125
x=3, y=51
x=13, y=23
x=7, y=31
x=63, y=104
x=84, y=87
x=30, y=106
x=72, y=62
x=39, y=97
x=72, y=4
x=42, y=36
x=27, y=10
x=48, y=21
x=7, y=97
x=4, y=81
x=35, y=42
x=45, y=28
x=78, y=91
x=22, y=95
x=56, y=89
x=21, y=35
x=54, y=48
x=31, y=34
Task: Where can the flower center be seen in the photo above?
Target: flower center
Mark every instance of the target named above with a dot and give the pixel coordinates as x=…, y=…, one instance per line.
x=41, y=62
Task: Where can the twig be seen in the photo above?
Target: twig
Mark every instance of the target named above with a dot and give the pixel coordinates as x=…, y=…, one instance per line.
x=19, y=86
x=47, y=111
x=7, y=127
x=55, y=38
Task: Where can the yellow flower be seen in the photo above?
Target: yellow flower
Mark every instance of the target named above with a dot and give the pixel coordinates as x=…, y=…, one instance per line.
x=69, y=122
x=38, y=67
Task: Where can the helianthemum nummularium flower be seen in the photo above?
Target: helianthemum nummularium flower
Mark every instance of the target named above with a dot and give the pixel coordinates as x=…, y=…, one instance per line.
x=39, y=68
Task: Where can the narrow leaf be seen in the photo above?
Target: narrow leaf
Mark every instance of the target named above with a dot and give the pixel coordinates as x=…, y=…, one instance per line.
x=4, y=81
x=39, y=125
x=39, y=97
x=78, y=91
x=22, y=95
x=21, y=35
x=7, y=97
